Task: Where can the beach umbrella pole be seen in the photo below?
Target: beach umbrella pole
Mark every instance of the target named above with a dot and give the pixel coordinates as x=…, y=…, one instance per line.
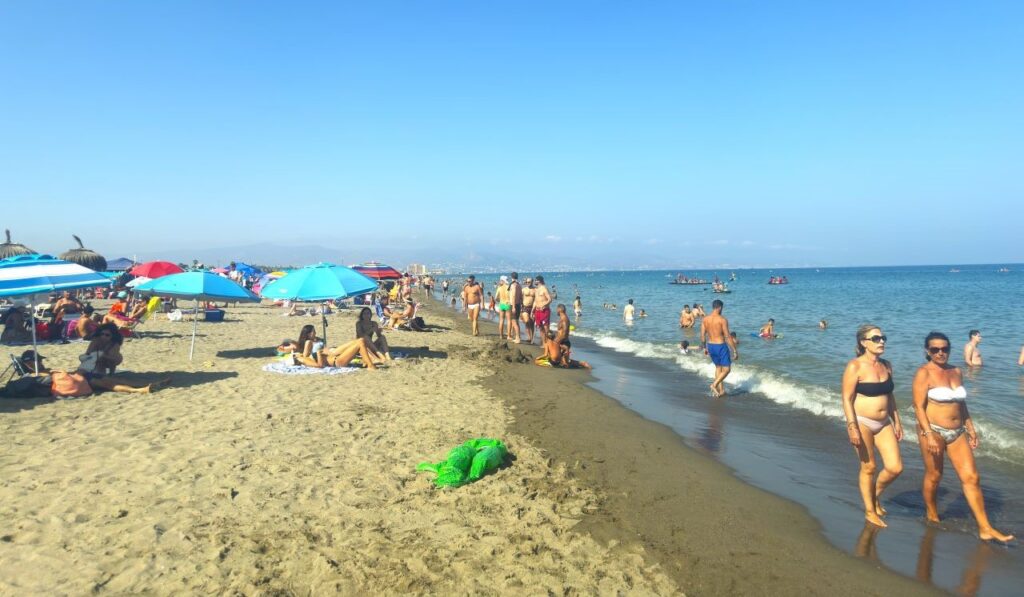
x=32, y=319
x=324, y=316
x=195, y=322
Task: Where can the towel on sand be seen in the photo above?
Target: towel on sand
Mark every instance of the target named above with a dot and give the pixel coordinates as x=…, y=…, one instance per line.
x=288, y=369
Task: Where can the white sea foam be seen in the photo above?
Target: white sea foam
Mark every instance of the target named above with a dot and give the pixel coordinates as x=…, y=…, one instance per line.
x=996, y=442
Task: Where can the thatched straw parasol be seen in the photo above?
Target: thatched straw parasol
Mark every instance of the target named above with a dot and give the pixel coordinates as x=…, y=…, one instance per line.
x=9, y=249
x=85, y=257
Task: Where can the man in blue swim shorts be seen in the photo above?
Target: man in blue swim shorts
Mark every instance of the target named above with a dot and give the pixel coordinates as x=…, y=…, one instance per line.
x=719, y=344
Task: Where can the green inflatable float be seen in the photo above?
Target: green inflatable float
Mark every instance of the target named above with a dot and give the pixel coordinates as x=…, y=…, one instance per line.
x=468, y=462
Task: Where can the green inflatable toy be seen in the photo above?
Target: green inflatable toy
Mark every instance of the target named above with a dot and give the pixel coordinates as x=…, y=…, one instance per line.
x=468, y=462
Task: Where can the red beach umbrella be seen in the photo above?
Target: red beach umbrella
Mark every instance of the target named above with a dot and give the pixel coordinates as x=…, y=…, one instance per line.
x=155, y=269
x=378, y=271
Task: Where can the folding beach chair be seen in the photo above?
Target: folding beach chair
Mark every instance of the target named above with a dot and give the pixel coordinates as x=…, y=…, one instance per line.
x=380, y=313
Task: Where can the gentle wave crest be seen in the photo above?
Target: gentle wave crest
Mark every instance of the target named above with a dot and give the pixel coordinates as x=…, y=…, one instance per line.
x=995, y=442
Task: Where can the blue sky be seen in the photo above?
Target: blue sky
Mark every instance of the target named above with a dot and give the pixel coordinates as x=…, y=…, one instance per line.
x=741, y=132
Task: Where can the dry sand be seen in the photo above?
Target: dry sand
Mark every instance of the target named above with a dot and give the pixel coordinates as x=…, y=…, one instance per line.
x=238, y=480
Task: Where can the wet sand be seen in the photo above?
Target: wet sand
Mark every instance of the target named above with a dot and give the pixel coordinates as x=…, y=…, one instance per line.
x=714, y=534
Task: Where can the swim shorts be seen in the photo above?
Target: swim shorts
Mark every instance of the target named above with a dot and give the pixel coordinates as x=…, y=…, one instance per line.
x=720, y=354
x=542, y=316
x=503, y=306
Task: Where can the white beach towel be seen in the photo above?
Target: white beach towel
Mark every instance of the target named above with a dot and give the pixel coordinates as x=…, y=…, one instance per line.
x=288, y=369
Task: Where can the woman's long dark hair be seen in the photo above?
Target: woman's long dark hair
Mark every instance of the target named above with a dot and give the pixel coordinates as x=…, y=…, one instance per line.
x=364, y=311
x=115, y=334
x=934, y=336
x=308, y=333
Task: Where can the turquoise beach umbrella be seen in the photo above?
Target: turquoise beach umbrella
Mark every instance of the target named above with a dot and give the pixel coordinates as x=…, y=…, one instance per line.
x=198, y=286
x=320, y=282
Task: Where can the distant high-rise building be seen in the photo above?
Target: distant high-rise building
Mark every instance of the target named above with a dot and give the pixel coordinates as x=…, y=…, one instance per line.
x=417, y=269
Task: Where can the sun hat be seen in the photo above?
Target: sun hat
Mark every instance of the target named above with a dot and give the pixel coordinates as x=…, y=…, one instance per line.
x=504, y=279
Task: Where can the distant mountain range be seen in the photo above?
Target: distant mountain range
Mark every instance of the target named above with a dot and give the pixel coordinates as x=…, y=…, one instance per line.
x=453, y=258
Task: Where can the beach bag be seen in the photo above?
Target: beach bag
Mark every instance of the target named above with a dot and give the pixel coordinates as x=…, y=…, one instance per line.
x=69, y=385
x=418, y=325
x=175, y=315
x=42, y=330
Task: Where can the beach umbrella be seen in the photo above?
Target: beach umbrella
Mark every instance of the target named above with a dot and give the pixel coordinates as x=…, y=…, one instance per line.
x=38, y=274
x=247, y=270
x=84, y=257
x=320, y=282
x=121, y=264
x=9, y=249
x=199, y=286
x=220, y=270
x=155, y=269
x=378, y=271
x=138, y=281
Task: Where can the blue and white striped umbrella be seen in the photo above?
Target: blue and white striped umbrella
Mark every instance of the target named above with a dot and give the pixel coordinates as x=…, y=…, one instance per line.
x=41, y=274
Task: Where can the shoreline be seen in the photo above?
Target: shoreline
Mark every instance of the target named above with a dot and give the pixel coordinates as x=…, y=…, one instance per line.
x=648, y=482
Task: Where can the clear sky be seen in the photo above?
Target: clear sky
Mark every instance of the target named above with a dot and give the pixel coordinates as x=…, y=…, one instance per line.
x=745, y=132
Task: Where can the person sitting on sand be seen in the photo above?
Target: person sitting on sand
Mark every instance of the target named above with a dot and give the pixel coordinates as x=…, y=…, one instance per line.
x=557, y=354
x=366, y=328
x=66, y=305
x=88, y=323
x=16, y=329
x=103, y=355
x=407, y=314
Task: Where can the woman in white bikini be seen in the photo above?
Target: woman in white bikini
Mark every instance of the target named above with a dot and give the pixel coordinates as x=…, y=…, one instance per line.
x=872, y=420
x=945, y=427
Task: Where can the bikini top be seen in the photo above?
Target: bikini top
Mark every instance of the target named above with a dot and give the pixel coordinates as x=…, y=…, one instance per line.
x=875, y=388
x=948, y=394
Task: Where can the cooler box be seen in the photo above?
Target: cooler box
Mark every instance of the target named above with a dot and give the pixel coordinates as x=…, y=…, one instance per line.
x=214, y=315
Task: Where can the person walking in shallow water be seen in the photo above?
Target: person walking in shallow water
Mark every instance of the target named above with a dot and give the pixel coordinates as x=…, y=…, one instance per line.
x=946, y=428
x=872, y=420
x=716, y=341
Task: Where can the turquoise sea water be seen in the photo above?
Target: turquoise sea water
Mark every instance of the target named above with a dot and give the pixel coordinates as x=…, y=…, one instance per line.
x=803, y=369
x=782, y=428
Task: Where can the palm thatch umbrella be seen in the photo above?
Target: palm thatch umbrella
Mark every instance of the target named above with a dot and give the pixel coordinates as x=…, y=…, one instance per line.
x=85, y=257
x=9, y=249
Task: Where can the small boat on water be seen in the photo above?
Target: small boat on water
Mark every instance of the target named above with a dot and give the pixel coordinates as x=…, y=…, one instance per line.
x=954, y=271
x=778, y=280
x=1003, y=270
x=682, y=280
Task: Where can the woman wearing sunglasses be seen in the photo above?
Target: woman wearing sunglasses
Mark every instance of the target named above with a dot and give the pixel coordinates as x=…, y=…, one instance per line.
x=872, y=421
x=945, y=425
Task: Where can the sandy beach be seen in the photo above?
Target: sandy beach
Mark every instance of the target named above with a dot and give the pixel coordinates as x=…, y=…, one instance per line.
x=238, y=480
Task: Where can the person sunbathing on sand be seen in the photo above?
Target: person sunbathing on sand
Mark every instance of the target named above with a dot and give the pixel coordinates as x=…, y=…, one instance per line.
x=343, y=355
x=96, y=381
x=308, y=350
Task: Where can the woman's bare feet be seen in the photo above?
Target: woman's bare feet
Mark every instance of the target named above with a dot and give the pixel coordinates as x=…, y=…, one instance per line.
x=879, y=509
x=992, y=534
x=932, y=515
x=874, y=519
x=714, y=391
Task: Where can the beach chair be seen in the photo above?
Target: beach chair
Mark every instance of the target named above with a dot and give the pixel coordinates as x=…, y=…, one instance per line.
x=380, y=313
x=151, y=307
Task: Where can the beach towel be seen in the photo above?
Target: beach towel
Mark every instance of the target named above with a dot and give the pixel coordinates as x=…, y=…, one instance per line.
x=286, y=368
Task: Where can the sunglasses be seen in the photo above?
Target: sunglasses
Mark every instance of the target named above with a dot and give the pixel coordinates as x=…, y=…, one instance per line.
x=877, y=339
x=938, y=349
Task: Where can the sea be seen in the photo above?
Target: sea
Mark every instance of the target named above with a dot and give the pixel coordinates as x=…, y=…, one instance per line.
x=782, y=429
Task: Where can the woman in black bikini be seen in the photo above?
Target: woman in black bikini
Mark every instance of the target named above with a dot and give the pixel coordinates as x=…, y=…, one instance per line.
x=872, y=420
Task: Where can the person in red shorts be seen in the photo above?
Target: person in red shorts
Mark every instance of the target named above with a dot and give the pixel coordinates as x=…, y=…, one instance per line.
x=541, y=306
